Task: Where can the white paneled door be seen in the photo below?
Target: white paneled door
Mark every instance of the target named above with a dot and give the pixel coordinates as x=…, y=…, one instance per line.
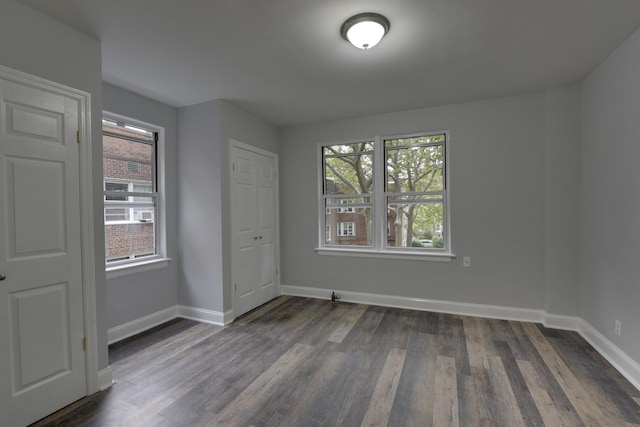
x=254, y=223
x=42, y=361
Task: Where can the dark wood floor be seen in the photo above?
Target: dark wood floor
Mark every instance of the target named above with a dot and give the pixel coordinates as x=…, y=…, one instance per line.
x=307, y=362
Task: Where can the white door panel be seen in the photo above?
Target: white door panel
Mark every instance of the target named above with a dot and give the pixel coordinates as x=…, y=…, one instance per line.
x=42, y=362
x=48, y=335
x=35, y=190
x=254, y=229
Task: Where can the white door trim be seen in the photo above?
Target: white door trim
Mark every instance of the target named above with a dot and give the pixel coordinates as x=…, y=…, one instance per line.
x=86, y=214
x=237, y=144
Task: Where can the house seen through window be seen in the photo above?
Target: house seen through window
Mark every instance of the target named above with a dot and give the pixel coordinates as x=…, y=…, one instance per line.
x=130, y=192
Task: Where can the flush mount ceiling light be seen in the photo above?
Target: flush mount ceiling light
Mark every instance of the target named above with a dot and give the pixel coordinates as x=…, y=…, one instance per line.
x=365, y=30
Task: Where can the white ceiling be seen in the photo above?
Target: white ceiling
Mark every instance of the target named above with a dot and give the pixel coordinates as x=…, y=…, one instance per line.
x=285, y=61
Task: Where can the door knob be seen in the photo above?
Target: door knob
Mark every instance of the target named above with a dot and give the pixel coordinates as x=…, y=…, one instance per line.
x=2, y=277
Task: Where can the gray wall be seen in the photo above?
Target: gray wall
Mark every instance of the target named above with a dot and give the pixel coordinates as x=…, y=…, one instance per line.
x=41, y=46
x=498, y=199
x=562, y=204
x=609, y=205
x=134, y=296
x=203, y=188
x=200, y=213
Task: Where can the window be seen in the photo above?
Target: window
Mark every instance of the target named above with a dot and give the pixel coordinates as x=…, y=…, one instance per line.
x=346, y=229
x=327, y=232
x=345, y=210
x=130, y=192
x=396, y=192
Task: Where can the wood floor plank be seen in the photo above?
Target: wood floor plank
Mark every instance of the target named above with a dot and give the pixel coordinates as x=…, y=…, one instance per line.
x=146, y=414
x=262, y=310
x=413, y=405
x=508, y=407
x=455, y=343
x=526, y=404
x=383, y=396
x=156, y=353
x=478, y=343
x=328, y=373
x=602, y=385
x=588, y=410
x=551, y=415
x=249, y=401
x=359, y=338
x=524, y=349
x=358, y=387
x=445, y=411
x=347, y=323
x=472, y=410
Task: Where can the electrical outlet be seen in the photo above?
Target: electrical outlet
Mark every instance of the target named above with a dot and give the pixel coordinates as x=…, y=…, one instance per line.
x=618, y=328
x=466, y=261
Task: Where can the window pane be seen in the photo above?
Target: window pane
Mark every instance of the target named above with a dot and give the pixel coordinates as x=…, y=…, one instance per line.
x=127, y=160
x=116, y=186
x=349, y=174
x=349, y=228
x=142, y=188
x=126, y=130
x=415, y=169
x=357, y=147
x=116, y=214
x=124, y=241
x=415, y=225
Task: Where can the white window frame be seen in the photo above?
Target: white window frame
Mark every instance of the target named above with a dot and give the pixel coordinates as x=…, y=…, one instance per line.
x=379, y=207
x=159, y=259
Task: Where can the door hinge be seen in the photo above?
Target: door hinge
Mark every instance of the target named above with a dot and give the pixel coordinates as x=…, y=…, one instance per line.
x=233, y=165
x=235, y=287
x=84, y=343
x=78, y=136
x=276, y=272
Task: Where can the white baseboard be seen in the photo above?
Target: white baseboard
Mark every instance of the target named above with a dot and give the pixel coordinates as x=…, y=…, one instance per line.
x=628, y=367
x=105, y=378
x=618, y=358
x=567, y=323
x=137, y=326
x=134, y=327
x=206, y=316
x=478, y=310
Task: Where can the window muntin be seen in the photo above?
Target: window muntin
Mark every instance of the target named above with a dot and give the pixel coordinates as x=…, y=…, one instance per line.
x=406, y=210
x=130, y=192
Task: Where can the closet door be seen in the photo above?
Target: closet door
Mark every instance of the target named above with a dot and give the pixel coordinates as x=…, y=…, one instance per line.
x=254, y=231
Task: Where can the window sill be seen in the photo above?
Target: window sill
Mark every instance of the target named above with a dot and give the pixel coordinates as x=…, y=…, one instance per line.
x=403, y=255
x=136, y=267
